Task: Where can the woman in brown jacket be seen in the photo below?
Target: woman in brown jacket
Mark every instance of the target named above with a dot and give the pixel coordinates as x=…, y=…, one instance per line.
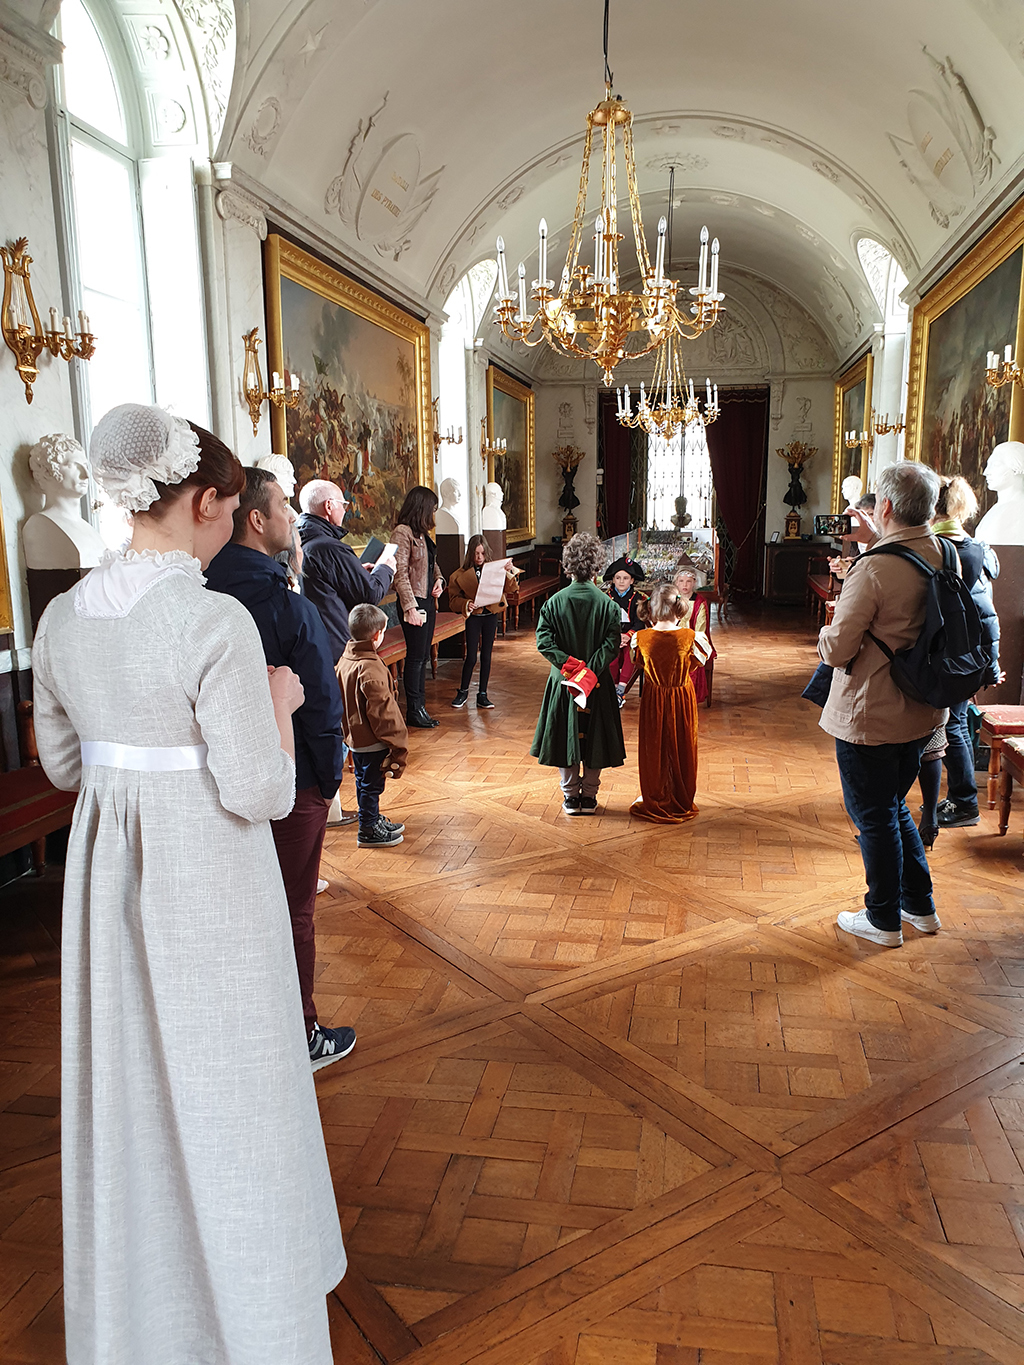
x=481, y=622
x=418, y=583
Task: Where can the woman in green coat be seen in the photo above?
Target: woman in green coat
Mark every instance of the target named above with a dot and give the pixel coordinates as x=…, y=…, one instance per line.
x=580, y=622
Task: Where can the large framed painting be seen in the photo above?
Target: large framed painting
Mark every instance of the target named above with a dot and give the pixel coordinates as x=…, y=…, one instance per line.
x=363, y=415
x=953, y=417
x=852, y=413
x=510, y=417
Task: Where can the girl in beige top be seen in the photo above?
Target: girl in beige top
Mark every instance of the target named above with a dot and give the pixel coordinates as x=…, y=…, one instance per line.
x=418, y=583
x=481, y=622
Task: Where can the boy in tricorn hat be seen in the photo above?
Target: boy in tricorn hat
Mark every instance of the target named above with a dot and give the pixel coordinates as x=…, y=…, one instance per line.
x=622, y=578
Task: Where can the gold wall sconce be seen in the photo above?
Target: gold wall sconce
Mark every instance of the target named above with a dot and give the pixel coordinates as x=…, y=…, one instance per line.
x=283, y=394
x=1009, y=372
x=490, y=450
x=22, y=330
x=883, y=427
x=864, y=439
x=449, y=435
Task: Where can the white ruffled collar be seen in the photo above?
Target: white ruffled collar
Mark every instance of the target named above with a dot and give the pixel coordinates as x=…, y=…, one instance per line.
x=123, y=577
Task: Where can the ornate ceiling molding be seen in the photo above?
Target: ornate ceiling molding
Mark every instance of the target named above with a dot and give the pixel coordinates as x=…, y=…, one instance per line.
x=234, y=203
x=649, y=127
x=25, y=54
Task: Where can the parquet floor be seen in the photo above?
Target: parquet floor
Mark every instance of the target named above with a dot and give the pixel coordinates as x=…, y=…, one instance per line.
x=624, y=1095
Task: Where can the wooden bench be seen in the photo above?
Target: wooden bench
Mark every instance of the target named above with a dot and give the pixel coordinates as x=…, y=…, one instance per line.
x=31, y=807
x=446, y=624
x=529, y=590
x=998, y=723
x=1011, y=769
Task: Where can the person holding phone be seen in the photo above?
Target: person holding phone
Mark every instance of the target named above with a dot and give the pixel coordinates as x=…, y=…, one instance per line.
x=481, y=622
x=418, y=583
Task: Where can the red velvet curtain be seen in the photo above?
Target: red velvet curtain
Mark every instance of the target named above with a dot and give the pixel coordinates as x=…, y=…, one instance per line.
x=615, y=450
x=738, y=446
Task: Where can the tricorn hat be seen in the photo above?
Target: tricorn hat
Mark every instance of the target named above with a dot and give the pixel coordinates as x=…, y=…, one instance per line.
x=624, y=563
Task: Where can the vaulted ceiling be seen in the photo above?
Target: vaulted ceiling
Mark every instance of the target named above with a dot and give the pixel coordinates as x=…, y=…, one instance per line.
x=795, y=128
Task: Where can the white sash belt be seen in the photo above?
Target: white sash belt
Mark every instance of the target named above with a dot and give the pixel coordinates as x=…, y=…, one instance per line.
x=98, y=753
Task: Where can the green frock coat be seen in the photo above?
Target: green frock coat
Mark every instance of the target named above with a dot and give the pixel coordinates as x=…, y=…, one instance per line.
x=583, y=623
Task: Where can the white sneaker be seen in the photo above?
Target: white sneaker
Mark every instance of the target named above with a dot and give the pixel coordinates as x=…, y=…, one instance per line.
x=321, y=886
x=857, y=922
x=925, y=924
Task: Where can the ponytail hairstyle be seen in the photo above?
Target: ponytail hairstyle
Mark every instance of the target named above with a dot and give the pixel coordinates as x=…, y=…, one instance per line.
x=956, y=500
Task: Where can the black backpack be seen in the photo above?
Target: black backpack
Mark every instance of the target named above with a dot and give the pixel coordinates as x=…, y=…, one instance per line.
x=948, y=661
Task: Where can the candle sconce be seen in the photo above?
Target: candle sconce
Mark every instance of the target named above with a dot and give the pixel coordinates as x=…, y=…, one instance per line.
x=490, y=450
x=449, y=435
x=883, y=427
x=284, y=395
x=864, y=439
x=22, y=330
x=1009, y=372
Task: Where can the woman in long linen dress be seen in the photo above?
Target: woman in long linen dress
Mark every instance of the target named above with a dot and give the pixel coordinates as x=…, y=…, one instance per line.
x=200, y=1226
x=667, y=756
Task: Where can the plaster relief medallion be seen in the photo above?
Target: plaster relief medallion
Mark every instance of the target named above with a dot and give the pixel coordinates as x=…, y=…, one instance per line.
x=664, y=129
x=950, y=153
x=446, y=280
x=211, y=25
x=807, y=233
x=154, y=44
x=170, y=118
x=381, y=192
x=829, y=172
x=691, y=161
x=511, y=197
x=729, y=131
x=264, y=126
x=723, y=199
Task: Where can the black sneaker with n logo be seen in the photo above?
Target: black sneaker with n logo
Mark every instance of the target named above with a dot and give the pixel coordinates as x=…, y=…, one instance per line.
x=327, y=1045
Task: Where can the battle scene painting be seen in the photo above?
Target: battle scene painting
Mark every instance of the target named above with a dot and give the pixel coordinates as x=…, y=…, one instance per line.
x=962, y=417
x=357, y=420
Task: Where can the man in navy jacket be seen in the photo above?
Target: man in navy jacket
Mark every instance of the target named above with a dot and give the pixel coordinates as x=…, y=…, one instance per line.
x=293, y=635
x=333, y=577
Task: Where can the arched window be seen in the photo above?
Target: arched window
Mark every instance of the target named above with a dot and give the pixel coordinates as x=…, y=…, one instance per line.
x=679, y=465
x=887, y=282
x=99, y=141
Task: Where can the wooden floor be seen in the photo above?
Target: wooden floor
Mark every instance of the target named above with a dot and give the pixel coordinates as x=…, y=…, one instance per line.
x=623, y=1094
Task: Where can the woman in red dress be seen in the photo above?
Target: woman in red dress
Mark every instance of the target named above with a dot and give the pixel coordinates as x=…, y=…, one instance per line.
x=668, y=713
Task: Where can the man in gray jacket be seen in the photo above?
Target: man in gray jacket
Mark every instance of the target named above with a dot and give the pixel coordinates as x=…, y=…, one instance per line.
x=879, y=732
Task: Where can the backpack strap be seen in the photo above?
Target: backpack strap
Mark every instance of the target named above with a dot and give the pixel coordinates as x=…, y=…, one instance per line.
x=949, y=561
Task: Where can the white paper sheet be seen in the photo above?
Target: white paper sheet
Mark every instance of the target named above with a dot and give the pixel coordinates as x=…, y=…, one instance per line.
x=491, y=587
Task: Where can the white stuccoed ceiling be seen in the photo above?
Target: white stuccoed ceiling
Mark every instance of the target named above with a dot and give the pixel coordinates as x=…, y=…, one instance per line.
x=778, y=116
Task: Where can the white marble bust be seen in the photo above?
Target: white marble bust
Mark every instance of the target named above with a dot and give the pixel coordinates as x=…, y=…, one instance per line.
x=493, y=518
x=282, y=469
x=1004, y=474
x=445, y=522
x=59, y=537
x=852, y=490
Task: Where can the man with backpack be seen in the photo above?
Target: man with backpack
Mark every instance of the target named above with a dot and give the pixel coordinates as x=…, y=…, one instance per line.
x=880, y=730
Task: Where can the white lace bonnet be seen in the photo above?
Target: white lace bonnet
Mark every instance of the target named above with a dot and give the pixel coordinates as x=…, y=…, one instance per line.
x=135, y=446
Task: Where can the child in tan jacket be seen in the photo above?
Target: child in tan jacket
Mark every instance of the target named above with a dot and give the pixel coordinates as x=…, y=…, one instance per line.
x=374, y=729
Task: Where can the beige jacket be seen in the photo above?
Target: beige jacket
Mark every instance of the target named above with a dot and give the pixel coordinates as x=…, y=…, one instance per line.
x=411, y=567
x=886, y=596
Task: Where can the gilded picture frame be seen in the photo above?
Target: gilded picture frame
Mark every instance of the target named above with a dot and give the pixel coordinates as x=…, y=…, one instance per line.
x=363, y=419
x=6, y=600
x=953, y=417
x=511, y=417
x=852, y=413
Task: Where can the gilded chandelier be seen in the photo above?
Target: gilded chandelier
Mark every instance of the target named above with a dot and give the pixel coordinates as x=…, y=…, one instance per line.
x=590, y=316
x=671, y=403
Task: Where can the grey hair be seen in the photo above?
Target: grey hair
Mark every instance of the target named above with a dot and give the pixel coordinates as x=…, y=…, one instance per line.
x=913, y=490
x=313, y=495
x=584, y=556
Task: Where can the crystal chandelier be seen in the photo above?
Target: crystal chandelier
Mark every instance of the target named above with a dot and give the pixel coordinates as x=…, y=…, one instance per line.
x=590, y=316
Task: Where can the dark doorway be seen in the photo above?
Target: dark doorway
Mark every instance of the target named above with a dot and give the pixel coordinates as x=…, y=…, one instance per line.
x=738, y=446
x=622, y=453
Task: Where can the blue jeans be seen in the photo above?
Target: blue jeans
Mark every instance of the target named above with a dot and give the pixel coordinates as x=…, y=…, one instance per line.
x=876, y=778
x=369, y=784
x=959, y=760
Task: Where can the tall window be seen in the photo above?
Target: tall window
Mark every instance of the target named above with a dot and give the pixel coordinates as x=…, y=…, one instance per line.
x=107, y=280
x=677, y=466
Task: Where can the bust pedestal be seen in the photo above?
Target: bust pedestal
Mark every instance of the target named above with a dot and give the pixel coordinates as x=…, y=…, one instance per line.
x=59, y=549
x=451, y=551
x=495, y=542
x=1007, y=597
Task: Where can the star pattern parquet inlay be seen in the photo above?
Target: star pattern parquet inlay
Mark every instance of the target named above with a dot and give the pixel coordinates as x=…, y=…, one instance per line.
x=624, y=1094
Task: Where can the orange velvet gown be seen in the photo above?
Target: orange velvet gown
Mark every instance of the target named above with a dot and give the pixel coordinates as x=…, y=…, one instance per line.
x=668, y=727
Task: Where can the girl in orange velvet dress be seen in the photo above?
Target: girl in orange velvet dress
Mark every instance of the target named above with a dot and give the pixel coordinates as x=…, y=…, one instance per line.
x=668, y=713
